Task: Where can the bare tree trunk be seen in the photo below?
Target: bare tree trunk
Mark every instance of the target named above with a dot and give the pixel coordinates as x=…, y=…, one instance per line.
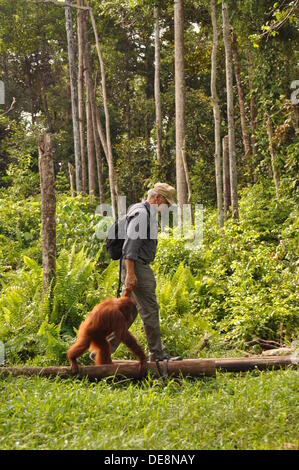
x=273, y=157
x=187, y=175
x=128, y=110
x=74, y=96
x=107, y=117
x=180, y=100
x=157, y=86
x=97, y=148
x=48, y=208
x=226, y=178
x=230, y=111
x=92, y=184
x=72, y=182
x=216, y=115
x=80, y=14
x=240, y=94
x=252, y=118
x=46, y=107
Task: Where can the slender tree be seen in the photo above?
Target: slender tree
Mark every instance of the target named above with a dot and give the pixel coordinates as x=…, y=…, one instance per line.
x=216, y=115
x=92, y=184
x=81, y=93
x=226, y=178
x=48, y=209
x=273, y=157
x=252, y=117
x=113, y=186
x=98, y=154
x=230, y=110
x=74, y=96
x=240, y=94
x=180, y=100
x=71, y=176
x=157, y=86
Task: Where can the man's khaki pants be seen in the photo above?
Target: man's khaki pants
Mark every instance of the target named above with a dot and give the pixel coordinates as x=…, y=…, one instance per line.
x=144, y=295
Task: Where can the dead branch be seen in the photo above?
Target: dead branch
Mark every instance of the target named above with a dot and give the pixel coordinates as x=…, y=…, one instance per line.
x=11, y=107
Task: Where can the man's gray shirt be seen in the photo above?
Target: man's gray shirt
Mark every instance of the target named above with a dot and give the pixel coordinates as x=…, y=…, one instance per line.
x=141, y=233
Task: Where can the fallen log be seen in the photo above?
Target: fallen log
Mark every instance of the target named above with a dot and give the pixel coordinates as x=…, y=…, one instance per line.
x=234, y=364
x=128, y=369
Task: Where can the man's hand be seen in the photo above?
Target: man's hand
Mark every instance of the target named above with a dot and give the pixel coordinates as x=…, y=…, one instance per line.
x=131, y=279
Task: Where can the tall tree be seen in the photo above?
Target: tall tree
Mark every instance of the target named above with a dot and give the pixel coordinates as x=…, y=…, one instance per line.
x=226, y=178
x=157, y=86
x=98, y=154
x=112, y=183
x=48, y=209
x=230, y=110
x=92, y=184
x=216, y=110
x=74, y=96
x=81, y=93
x=252, y=116
x=180, y=100
x=240, y=94
x=272, y=154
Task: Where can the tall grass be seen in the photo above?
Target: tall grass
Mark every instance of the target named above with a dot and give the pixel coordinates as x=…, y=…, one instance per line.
x=257, y=410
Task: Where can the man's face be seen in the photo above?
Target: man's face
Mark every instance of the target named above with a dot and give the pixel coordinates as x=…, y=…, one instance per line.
x=161, y=202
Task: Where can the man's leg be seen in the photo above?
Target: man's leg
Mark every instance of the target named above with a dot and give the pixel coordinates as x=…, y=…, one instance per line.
x=145, y=297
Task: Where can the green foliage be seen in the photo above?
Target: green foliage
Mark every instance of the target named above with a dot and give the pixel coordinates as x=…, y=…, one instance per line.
x=245, y=279
x=31, y=324
x=20, y=313
x=76, y=222
x=240, y=284
x=73, y=276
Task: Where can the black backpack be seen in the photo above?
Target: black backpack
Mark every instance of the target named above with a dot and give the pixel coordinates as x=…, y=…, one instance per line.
x=116, y=236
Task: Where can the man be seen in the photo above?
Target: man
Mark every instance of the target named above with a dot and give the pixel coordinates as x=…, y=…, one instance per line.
x=138, y=252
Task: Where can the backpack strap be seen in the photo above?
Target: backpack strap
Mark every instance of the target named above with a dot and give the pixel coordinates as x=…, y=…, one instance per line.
x=119, y=278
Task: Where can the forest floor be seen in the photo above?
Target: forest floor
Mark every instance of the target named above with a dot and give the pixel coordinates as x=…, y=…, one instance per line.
x=253, y=410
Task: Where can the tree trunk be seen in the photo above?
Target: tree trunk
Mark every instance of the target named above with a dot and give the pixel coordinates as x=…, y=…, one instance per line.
x=273, y=157
x=230, y=111
x=188, y=180
x=74, y=96
x=252, y=118
x=97, y=148
x=92, y=184
x=240, y=95
x=226, y=178
x=157, y=87
x=107, y=118
x=80, y=14
x=128, y=109
x=46, y=107
x=180, y=100
x=71, y=175
x=216, y=115
x=48, y=209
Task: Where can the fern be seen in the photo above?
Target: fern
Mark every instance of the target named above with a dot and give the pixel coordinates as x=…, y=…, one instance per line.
x=174, y=294
x=73, y=278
